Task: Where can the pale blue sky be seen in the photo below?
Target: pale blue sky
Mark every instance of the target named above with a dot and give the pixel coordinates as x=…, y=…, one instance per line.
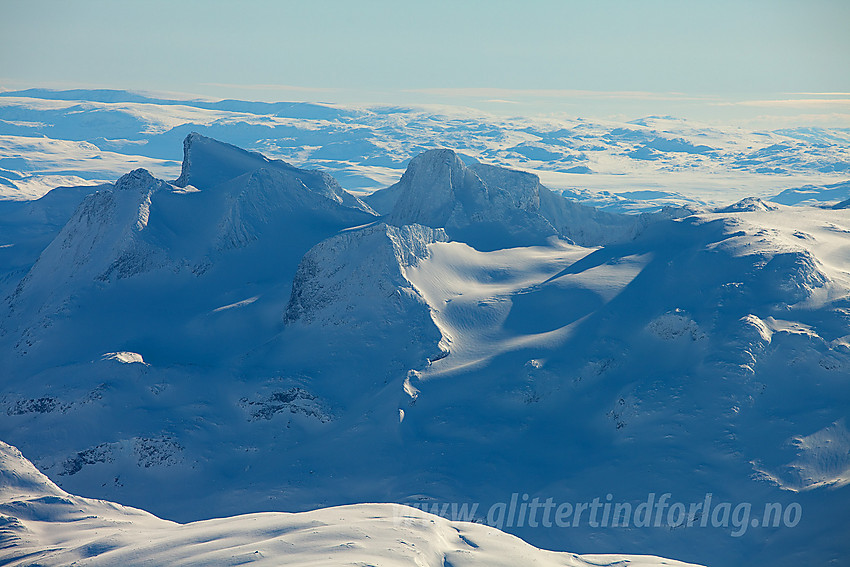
x=604, y=57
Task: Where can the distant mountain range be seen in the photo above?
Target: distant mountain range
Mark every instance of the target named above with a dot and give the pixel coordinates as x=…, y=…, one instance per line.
x=51, y=138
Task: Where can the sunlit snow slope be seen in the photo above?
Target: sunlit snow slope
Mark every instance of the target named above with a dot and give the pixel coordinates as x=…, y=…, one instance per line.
x=42, y=524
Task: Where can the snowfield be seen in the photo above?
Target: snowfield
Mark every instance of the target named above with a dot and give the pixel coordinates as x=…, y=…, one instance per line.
x=237, y=335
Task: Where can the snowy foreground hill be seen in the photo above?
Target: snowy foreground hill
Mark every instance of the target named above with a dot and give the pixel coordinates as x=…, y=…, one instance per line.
x=44, y=525
x=251, y=337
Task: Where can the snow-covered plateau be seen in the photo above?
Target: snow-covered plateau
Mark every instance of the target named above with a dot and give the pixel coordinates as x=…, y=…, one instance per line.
x=568, y=312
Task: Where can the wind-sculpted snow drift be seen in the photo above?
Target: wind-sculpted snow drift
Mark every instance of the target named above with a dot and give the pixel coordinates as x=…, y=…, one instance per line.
x=251, y=337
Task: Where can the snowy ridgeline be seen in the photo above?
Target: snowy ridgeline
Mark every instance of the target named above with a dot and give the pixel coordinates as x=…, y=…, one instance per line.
x=253, y=337
x=44, y=525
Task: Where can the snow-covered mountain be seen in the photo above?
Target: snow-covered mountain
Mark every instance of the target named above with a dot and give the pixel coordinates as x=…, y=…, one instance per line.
x=251, y=338
x=353, y=300
x=170, y=236
x=492, y=207
x=208, y=163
